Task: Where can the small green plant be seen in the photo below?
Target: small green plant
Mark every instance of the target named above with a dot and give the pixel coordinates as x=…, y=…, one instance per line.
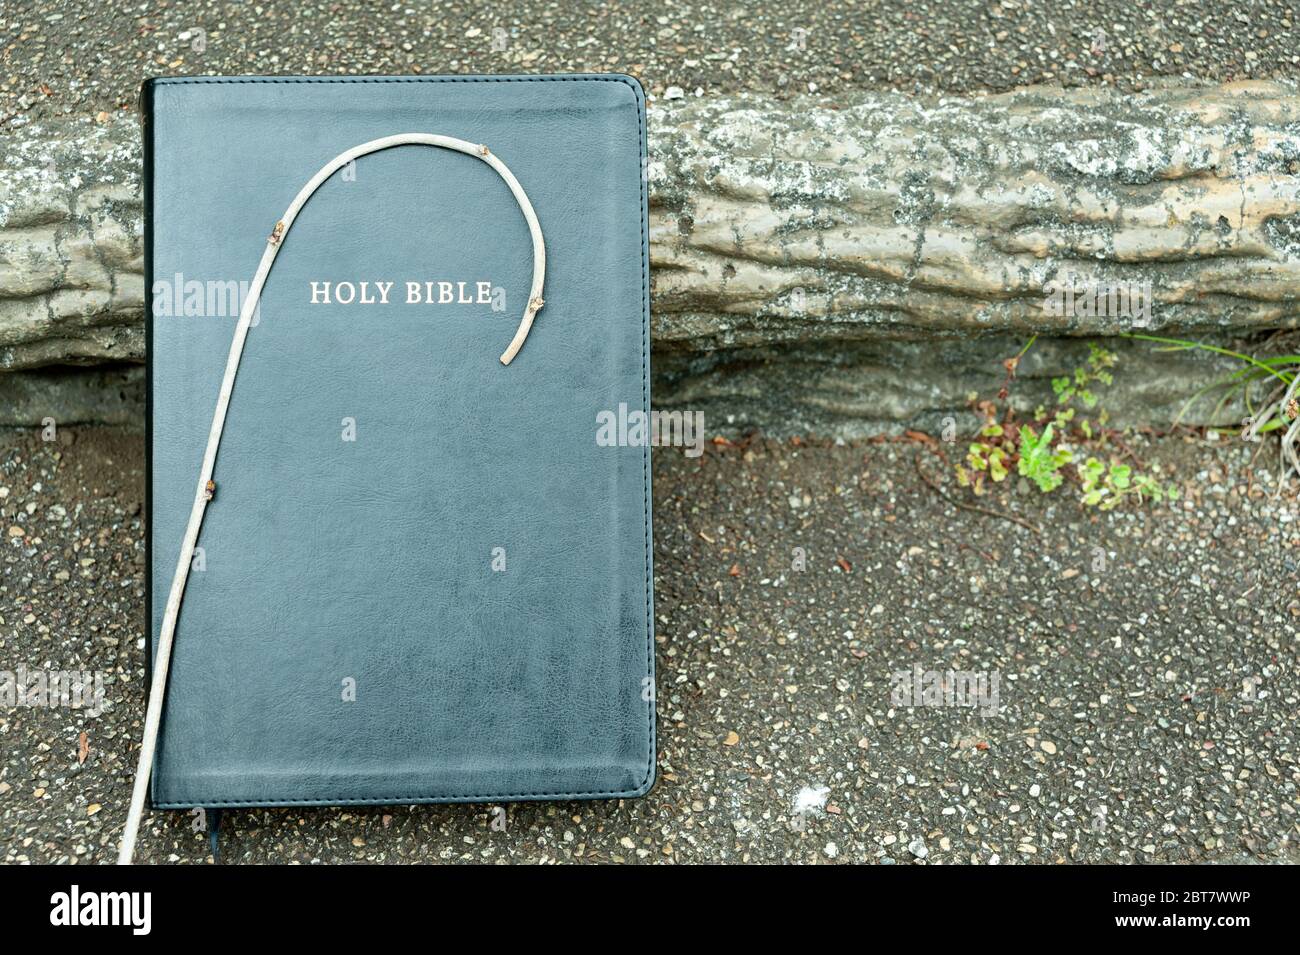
x=1105, y=486
x=1050, y=454
x=1277, y=412
x=983, y=456
x=1078, y=385
x=1039, y=461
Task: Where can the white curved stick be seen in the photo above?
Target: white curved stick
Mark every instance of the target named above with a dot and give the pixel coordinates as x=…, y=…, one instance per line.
x=207, y=487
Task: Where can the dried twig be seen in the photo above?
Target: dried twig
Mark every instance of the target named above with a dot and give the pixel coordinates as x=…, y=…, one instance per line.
x=207, y=486
x=1113, y=435
x=934, y=486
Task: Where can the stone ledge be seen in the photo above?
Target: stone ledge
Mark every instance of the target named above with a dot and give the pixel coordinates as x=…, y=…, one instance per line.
x=886, y=215
x=826, y=242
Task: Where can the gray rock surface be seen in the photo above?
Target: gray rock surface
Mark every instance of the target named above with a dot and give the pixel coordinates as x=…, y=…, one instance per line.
x=885, y=214
x=832, y=265
x=108, y=394
x=71, y=249
x=862, y=388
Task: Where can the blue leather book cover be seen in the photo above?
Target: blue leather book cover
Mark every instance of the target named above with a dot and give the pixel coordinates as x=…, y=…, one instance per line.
x=420, y=578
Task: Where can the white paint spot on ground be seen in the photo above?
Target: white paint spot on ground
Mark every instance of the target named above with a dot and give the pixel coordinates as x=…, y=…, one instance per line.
x=811, y=799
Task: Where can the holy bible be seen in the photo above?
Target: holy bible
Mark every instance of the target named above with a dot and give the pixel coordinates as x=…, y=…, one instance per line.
x=389, y=561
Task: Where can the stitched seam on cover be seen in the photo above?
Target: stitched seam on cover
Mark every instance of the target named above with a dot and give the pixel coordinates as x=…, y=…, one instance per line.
x=326, y=80
x=645, y=536
x=643, y=173
x=324, y=801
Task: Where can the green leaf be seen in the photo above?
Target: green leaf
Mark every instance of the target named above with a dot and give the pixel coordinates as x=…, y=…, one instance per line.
x=1037, y=460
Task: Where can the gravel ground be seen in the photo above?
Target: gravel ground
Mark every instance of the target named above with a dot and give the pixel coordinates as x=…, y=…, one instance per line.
x=76, y=59
x=1146, y=658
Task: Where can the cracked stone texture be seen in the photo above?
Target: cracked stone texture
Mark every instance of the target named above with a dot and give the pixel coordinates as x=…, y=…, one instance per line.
x=885, y=214
x=833, y=245
x=71, y=246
